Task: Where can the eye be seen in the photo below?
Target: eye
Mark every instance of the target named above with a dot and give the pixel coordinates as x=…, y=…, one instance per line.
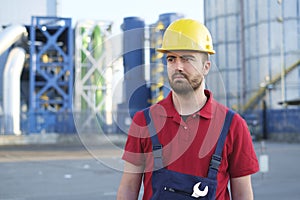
x=170, y=59
x=187, y=59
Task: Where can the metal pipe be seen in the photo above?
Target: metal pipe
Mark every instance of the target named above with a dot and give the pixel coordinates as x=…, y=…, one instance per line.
x=243, y=53
x=10, y=35
x=281, y=21
x=11, y=90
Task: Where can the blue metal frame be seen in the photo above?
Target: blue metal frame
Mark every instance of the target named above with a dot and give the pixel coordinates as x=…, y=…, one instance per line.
x=56, y=35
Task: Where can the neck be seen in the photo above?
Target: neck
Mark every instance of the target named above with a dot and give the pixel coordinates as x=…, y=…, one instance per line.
x=190, y=103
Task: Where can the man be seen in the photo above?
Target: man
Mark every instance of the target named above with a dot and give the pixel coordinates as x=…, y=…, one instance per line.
x=188, y=146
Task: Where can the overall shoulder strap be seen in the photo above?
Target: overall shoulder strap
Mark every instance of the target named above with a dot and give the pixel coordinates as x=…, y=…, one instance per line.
x=217, y=156
x=156, y=145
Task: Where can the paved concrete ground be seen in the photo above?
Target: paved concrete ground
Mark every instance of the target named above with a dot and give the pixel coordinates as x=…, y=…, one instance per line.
x=51, y=172
x=56, y=172
x=282, y=180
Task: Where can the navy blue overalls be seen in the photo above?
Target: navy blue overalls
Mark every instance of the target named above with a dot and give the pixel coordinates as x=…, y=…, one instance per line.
x=171, y=185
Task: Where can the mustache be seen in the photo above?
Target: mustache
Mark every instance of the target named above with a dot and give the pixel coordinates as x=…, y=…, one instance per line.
x=179, y=74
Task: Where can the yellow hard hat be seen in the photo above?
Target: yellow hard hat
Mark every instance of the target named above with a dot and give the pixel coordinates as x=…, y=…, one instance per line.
x=187, y=34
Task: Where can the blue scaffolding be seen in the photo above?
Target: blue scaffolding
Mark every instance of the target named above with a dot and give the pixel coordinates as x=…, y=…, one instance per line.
x=51, y=75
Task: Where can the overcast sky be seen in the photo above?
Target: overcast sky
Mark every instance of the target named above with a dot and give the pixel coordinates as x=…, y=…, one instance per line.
x=117, y=10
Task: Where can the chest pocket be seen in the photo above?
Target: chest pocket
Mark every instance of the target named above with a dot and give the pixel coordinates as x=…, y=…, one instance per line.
x=171, y=185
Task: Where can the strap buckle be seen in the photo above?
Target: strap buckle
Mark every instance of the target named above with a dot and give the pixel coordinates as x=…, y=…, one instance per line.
x=215, y=162
x=157, y=151
x=157, y=156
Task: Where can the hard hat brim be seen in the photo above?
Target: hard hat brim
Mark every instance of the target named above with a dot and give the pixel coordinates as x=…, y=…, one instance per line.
x=163, y=50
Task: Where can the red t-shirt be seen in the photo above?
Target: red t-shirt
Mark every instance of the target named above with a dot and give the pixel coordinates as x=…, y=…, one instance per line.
x=188, y=145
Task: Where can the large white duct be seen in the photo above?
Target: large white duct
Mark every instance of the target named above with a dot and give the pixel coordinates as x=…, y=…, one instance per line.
x=10, y=35
x=12, y=89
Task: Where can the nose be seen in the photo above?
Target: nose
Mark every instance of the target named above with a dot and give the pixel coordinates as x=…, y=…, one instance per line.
x=179, y=65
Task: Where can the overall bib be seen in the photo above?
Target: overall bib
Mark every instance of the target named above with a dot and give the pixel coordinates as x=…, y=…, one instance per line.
x=171, y=185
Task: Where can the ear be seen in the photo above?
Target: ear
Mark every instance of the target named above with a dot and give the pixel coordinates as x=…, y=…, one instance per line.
x=206, y=67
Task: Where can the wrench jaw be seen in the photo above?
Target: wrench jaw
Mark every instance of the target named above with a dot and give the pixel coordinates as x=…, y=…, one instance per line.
x=199, y=193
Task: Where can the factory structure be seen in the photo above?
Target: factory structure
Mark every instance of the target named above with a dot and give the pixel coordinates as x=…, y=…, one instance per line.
x=258, y=58
x=57, y=77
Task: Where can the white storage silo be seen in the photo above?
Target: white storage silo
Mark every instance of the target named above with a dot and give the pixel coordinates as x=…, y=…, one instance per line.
x=257, y=51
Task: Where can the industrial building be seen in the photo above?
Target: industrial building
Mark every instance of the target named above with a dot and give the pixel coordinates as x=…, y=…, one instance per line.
x=57, y=78
x=258, y=58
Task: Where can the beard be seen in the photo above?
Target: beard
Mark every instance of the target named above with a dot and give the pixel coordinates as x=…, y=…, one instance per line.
x=187, y=85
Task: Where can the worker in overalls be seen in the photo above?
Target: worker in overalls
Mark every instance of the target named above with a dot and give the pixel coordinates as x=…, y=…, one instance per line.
x=188, y=146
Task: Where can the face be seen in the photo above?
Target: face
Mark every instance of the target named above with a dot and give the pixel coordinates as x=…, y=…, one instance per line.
x=186, y=70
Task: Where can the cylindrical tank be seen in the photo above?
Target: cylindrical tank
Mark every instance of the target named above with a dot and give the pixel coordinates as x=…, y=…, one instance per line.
x=133, y=34
x=271, y=46
x=255, y=42
x=168, y=18
x=136, y=93
x=225, y=79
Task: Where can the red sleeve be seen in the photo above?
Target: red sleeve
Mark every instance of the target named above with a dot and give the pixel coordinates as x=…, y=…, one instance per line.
x=242, y=160
x=133, y=151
